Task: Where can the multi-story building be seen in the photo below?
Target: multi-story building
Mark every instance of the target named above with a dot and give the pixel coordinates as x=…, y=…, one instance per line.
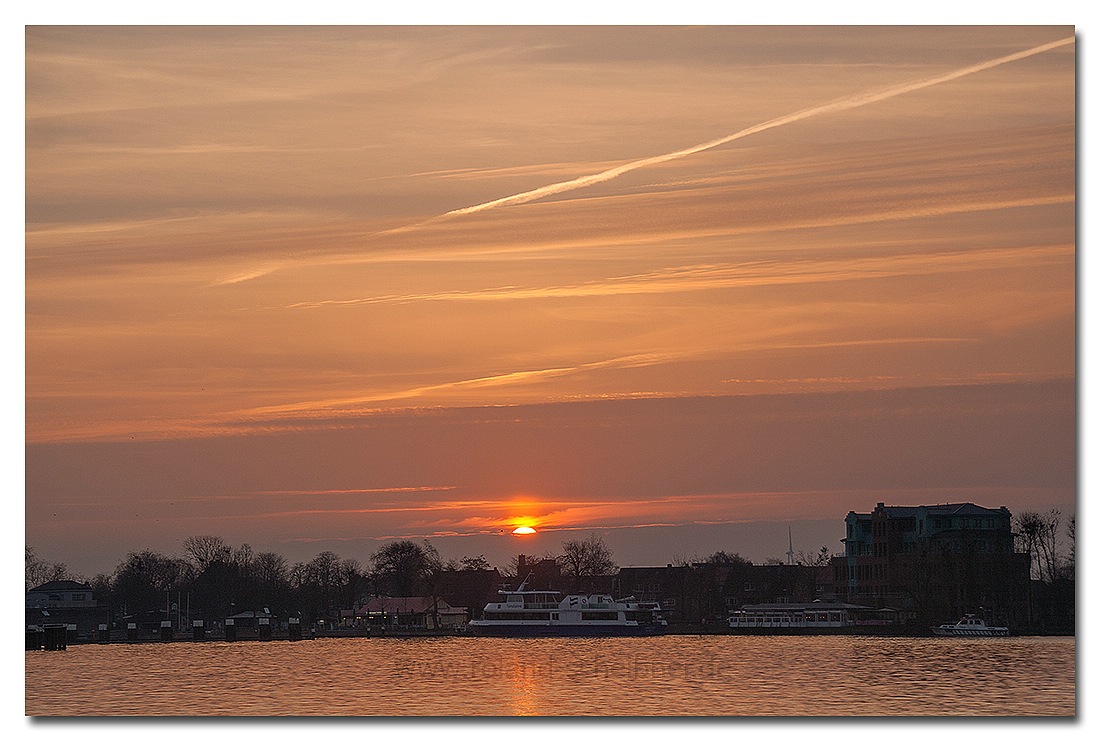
x=65, y=601
x=934, y=562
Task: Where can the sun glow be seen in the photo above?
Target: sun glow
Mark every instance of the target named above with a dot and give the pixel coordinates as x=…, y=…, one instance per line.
x=524, y=530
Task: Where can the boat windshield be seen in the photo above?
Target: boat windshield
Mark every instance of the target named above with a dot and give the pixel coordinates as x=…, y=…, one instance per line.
x=534, y=600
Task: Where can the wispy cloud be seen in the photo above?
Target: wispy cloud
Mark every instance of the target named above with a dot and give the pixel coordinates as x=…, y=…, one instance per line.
x=841, y=104
x=247, y=275
x=734, y=274
x=335, y=405
x=497, y=516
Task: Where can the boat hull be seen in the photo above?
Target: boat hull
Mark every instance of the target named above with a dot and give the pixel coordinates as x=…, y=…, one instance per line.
x=562, y=631
x=952, y=631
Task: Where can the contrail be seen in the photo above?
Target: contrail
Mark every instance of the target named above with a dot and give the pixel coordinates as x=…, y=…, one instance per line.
x=841, y=104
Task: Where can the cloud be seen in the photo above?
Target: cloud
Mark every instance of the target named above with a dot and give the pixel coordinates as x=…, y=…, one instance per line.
x=353, y=405
x=841, y=104
x=702, y=277
x=248, y=275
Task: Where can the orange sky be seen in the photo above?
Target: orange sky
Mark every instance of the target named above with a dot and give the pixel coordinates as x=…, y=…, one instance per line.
x=247, y=313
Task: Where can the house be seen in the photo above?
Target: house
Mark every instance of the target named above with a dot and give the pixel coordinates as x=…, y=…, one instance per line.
x=252, y=618
x=149, y=620
x=65, y=601
x=61, y=593
x=413, y=613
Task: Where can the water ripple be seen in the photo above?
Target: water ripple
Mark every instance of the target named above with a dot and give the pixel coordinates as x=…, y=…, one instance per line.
x=668, y=675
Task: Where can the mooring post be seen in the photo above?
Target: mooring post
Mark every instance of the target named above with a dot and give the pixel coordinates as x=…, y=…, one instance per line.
x=53, y=638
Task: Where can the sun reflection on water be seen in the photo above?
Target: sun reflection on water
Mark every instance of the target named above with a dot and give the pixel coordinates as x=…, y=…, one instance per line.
x=667, y=675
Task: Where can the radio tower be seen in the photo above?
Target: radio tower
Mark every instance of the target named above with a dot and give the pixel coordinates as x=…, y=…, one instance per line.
x=790, y=547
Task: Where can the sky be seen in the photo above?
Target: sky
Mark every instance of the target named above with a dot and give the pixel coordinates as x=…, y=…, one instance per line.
x=687, y=288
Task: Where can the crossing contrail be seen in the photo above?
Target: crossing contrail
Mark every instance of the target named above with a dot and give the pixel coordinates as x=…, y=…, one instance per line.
x=840, y=104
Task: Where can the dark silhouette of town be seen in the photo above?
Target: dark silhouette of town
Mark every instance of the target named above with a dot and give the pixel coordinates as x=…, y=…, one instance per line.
x=903, y=569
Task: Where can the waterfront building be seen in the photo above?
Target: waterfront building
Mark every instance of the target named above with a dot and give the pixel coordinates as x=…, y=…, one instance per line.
x=61, y=593
x=810, y=616
x=410, y=613
x=934, y=562
x=252, y=618
x=65, y=601
x=703, y=593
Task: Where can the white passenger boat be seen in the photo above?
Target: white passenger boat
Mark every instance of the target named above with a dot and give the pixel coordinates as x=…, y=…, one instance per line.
x=970, y=626
x=533, y=613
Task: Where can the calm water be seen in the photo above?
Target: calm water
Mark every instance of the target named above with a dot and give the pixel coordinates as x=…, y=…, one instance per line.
x=667, y=675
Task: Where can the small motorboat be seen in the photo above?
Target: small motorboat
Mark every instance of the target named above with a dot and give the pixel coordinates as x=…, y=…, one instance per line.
x=969, y=626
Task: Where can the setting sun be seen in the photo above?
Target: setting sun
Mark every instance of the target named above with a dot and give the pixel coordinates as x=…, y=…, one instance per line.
x=523, y=530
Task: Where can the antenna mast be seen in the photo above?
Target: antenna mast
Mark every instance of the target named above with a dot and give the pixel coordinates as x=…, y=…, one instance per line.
x=790, y=547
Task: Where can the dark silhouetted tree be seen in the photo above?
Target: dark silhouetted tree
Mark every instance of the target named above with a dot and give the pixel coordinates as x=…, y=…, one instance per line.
x=1071, y=559
x=1037, y=535
x=38, y=571
x=584, y=558
x=142, y=581
x=405, y=569
x=273, y=576
x=244, y=560
x=326, y=584
x=721, y=558
x=817, y=565
x=203, y=550
x=474, y=563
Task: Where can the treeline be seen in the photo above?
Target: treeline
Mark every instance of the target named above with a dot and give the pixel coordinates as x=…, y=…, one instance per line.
x=214, y=579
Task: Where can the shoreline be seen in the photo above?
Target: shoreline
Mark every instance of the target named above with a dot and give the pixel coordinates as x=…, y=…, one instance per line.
x=884, y=632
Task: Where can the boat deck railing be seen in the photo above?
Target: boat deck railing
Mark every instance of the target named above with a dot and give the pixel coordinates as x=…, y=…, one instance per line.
x=524, y=605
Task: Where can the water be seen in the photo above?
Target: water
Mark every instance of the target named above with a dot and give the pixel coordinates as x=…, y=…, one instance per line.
x=667, y=675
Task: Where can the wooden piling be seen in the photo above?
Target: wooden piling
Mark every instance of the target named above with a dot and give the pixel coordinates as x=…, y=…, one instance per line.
x=54, y=637
x=166, y=630
x=294, y=627
x=265, y=629
x=131, y=632
x=103, y=633
x=198, y=630
x=230, y=630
